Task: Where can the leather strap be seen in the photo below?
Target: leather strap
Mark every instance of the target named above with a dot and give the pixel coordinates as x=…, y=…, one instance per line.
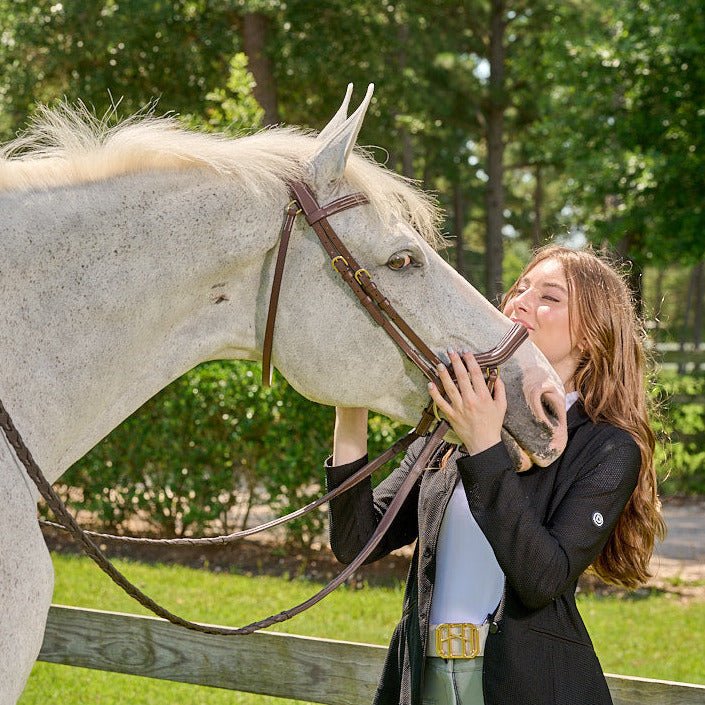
x=96, y=554
x=379, y=307
x=400, y=446
x=292, y=210
x=357, y=278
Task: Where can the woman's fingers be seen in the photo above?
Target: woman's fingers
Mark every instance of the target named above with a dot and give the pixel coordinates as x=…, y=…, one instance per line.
x=443, y=406
x=461, y=375
x=477, y=376
x=448, y=385
x=469, y=384
x=500, y=392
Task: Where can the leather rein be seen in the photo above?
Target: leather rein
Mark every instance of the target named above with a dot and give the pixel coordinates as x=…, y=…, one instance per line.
x=383, y=313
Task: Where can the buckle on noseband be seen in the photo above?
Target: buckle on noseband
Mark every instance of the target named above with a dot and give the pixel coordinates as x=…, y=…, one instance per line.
x=491, y=376
x=290, y=210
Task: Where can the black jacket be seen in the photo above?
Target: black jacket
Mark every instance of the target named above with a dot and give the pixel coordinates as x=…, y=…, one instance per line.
x=545, y=525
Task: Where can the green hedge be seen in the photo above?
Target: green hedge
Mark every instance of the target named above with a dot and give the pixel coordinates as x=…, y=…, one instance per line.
x=216, y=439
x=212, y=440
x=680, y=427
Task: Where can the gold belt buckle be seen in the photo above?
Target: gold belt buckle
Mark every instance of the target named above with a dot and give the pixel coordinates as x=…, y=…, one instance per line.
x=457, y=640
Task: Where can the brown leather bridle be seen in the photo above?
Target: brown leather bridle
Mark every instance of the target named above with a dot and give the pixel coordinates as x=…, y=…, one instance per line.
x=355, y=276
x=360, y=282
x=382, y=313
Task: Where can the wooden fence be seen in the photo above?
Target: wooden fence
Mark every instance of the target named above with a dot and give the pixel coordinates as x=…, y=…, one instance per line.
x=282, y=665
x=670, y=356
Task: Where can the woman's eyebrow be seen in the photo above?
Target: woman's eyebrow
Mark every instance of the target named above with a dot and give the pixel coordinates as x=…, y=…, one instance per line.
x=555, y=285
x=527, y=282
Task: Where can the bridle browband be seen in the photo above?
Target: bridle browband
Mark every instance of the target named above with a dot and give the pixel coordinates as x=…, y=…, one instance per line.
x=385, y=315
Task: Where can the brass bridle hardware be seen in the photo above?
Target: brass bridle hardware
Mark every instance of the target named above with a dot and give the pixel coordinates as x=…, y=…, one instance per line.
x=360, y=272
x=335, y=259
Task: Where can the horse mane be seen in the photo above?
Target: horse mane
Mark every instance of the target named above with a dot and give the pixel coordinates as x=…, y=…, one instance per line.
x=69, y=145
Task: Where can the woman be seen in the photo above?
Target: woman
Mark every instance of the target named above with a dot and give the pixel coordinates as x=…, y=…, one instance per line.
x=489, y=610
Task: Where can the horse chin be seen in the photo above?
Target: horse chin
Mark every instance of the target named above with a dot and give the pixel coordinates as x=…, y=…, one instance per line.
x=520, y=458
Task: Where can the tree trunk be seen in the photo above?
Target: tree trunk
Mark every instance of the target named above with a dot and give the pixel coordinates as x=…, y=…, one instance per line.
x=255, y=28
x=458, y=227
x=407, y=154
x=629, y=244
x=686, y=318
x=248, y=508
x=407, y=147
x=636, y=284
x=698, y=309
x=495, y=156
x=658, y=303
x=538, y=203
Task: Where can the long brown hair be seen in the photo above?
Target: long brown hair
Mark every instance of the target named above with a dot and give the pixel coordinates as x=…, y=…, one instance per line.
x=611, y=382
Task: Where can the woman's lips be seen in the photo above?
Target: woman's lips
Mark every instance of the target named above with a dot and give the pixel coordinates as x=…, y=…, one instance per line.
x=523, y=323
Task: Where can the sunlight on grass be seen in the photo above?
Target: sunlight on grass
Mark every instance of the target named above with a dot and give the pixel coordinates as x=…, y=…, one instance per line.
x=646, y=636
x=637, y=636
x=226, y=598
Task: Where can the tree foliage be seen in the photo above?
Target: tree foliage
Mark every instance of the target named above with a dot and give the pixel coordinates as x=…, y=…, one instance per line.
x=135, y=51
x=624, y=122
x=603, y=129
x=601, y=97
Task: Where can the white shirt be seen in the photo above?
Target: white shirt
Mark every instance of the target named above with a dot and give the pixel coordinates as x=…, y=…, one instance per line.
x=469, y=582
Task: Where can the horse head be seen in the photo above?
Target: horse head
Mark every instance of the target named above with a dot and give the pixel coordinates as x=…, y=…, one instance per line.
x=330, y=349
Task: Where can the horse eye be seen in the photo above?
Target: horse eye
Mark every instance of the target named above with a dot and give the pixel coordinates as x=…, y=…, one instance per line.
x=400, y=261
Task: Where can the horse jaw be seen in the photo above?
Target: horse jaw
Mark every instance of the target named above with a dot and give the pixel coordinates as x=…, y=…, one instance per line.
x=362, y=366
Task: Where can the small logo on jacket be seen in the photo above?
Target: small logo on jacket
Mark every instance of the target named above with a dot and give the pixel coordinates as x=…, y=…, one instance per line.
x=597, y=519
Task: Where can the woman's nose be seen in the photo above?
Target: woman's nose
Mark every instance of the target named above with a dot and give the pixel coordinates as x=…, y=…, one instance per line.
x=522, y=301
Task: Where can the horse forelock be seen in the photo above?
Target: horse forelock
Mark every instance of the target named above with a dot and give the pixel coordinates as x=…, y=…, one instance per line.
x=69, y=145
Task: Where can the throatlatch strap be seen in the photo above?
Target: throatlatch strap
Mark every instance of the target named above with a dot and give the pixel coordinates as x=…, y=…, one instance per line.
x=293, y=209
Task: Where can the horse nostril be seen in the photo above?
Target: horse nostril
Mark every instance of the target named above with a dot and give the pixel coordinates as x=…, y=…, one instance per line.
x=547, y=404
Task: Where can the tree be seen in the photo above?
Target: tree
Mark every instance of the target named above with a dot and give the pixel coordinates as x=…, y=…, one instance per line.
x=625, y=122
x=98, y=53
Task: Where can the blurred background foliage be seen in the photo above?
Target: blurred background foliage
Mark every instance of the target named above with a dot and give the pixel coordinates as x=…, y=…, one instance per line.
x=579, y=121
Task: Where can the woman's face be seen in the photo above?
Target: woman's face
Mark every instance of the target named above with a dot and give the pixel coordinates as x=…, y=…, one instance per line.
x=541, y=304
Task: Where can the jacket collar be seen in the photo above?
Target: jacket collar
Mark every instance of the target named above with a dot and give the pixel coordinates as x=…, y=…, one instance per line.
x=577, y=416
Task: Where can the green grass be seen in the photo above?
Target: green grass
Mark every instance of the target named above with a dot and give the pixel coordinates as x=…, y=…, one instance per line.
x=641, y=637
x=653, y=636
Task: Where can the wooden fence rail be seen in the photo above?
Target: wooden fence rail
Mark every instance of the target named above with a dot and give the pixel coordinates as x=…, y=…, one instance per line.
x=670, y=356
x=282, y=665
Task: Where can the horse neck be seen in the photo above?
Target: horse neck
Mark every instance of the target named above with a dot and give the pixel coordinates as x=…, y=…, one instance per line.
x=112, y=290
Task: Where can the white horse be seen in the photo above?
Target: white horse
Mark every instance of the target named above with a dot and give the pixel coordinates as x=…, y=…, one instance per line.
x=132, y=254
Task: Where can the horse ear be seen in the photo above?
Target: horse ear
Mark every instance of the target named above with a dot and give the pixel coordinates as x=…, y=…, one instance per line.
x=328, y=163
x=339, y=118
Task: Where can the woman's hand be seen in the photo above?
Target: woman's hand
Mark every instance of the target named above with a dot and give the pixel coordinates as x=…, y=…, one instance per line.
x=475, y=415
x=350, y=435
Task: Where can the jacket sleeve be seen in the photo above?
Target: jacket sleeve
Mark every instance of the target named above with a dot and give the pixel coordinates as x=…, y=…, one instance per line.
x=542, y=561
x=354, y=516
